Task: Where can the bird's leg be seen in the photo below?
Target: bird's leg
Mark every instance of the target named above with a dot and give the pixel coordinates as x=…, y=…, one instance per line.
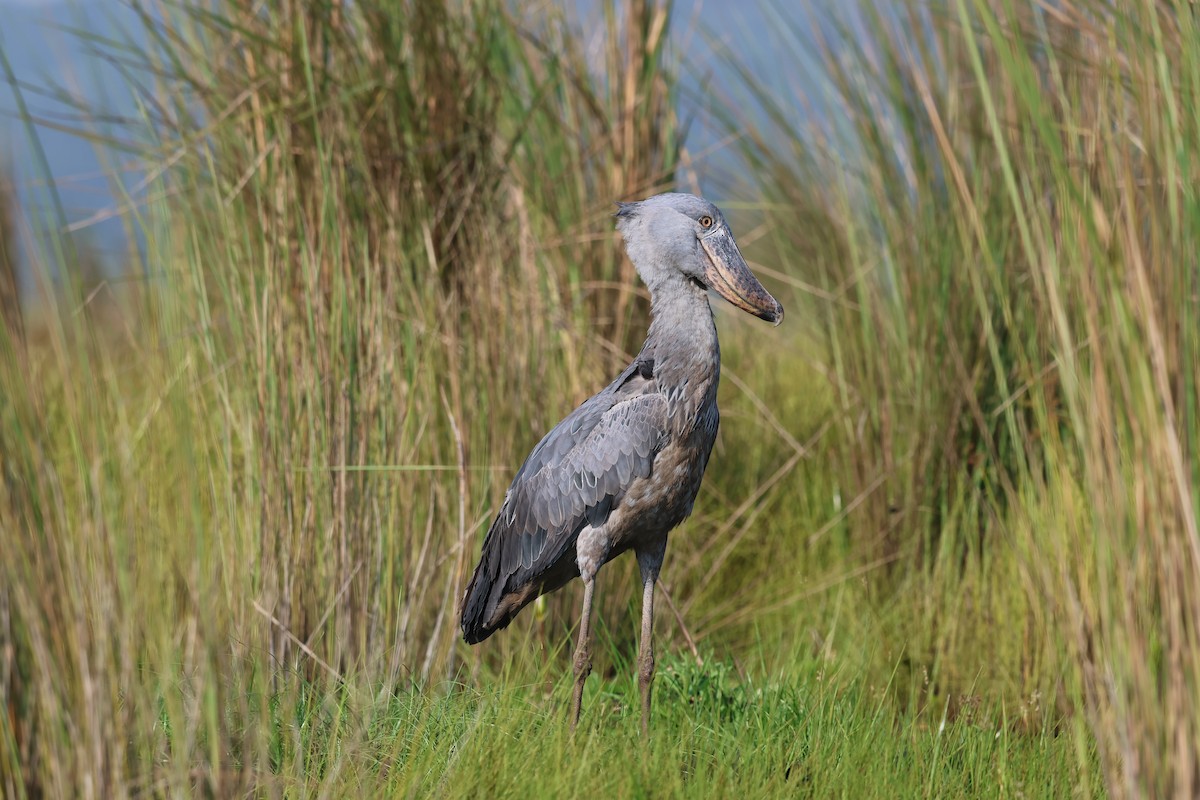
x=583, y=653
x=649, y=561
x=646, y=656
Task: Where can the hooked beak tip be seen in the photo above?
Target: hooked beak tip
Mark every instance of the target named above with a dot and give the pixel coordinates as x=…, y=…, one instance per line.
x=771, y=315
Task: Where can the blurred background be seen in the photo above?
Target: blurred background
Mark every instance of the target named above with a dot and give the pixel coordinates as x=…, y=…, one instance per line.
x=59, y=71
x=289, y=289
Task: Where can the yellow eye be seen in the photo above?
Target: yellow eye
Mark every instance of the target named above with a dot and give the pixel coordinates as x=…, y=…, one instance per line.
x=706, y=221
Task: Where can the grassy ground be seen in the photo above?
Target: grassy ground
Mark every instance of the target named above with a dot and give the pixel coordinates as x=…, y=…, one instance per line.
x=812, y=734
x=946, y=546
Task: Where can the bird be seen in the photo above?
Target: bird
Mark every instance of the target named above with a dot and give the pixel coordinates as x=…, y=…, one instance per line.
x=623, y=469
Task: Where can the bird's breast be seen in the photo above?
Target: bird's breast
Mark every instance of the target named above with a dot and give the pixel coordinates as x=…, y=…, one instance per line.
x=653, y=505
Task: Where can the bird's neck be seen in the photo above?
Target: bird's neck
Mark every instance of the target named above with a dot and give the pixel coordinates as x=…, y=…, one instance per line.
x=683, y=337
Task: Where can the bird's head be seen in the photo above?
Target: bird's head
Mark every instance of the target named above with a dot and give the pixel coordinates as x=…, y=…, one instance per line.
x=672, y=236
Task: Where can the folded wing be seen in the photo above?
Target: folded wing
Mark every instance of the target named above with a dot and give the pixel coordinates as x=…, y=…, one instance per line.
x=571, y=479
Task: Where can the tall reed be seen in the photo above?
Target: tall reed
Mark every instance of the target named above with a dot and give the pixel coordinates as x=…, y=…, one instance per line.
x=1014, y=345
x=372, y=235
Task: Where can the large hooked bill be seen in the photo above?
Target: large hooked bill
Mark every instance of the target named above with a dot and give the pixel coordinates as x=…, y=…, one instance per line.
x=728, y=273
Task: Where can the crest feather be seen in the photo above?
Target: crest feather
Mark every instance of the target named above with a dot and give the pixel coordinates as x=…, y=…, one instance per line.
x=626, y=210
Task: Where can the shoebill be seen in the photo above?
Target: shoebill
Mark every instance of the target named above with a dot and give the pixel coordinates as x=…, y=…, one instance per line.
x=623, y=469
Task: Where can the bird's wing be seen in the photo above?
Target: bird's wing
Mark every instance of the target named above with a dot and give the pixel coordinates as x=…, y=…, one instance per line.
x=572, y=477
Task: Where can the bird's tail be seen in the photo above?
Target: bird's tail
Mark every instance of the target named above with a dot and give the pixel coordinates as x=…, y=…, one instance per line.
x=483, y=593
x=500, y=588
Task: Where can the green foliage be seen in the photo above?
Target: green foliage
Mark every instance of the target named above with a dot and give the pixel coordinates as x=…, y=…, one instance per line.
x=1008, y=291
x=711, y=686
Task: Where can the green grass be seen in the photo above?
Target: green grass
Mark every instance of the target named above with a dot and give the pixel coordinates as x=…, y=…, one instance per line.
x=239, y=499
x=813, y=734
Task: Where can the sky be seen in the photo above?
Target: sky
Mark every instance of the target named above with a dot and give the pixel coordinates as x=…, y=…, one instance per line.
x=36, y=41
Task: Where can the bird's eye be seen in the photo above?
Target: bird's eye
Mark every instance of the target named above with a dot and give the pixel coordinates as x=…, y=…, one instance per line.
x=706, y=222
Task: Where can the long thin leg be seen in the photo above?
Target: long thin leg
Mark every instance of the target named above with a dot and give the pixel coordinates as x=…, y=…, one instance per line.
x=583, y=652
x=649, y=561
x=646, y=656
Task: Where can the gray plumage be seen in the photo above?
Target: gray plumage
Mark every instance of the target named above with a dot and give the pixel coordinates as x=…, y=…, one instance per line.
x=623, y=469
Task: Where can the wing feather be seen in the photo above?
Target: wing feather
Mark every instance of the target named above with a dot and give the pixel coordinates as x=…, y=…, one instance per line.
x=599, y=463
x=571, y=479
x=572, y=476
